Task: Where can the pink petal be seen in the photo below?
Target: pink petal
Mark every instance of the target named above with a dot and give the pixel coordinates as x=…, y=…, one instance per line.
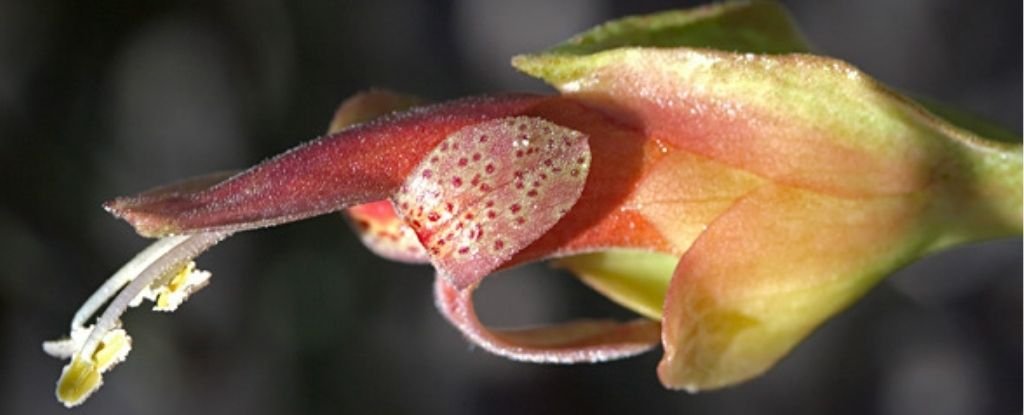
x=490, y=189
x=574, y=342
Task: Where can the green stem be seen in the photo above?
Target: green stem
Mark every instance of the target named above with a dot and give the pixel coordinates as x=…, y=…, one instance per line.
x=985, y=195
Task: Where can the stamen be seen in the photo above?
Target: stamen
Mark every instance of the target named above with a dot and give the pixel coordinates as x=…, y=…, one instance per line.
x=123, y=276
x=164, y=271
x=180, y=253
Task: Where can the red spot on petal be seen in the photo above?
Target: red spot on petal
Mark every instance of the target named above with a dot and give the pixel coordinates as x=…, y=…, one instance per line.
x=456, y=181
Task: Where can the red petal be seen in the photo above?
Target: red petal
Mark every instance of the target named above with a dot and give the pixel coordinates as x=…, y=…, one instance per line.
x=377, y=224
x=361, y=164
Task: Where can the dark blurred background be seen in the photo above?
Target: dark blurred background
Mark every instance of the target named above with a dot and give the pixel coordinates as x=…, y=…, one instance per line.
x=105, y=98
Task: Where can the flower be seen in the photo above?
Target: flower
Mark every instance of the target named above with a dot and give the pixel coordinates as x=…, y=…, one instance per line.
x=734, y=200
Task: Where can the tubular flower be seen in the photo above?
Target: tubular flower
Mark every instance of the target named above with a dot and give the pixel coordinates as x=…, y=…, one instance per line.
x=735, y=198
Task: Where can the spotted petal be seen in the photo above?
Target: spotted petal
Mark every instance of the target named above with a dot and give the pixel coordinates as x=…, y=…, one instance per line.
x=491, y=189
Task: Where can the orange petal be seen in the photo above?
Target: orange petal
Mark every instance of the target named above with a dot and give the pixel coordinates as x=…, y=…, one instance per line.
x=386, y=234
x=773, y=267
x=799, y=120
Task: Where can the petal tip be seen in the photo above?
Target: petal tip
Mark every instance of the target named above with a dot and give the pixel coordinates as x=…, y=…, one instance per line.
x=145, y=223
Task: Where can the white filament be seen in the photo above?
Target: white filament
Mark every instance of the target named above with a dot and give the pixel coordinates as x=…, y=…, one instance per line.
x=152, y=264
x=123, y=276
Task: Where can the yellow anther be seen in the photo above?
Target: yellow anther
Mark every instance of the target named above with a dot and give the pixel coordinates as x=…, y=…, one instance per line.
x=84, y=374
x=179, y=286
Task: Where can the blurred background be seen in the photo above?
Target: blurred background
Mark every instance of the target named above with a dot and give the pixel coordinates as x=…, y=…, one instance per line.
x=106, y=98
